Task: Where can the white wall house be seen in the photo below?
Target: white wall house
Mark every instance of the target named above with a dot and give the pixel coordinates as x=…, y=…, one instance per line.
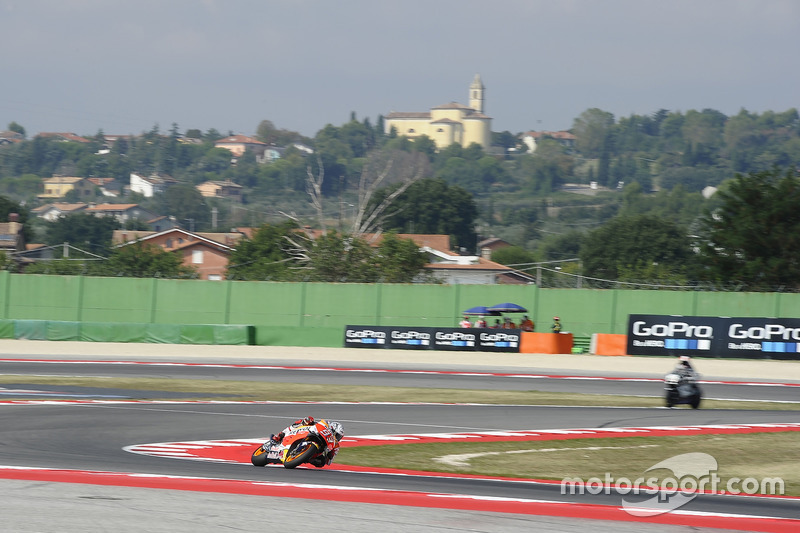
x=148, y=186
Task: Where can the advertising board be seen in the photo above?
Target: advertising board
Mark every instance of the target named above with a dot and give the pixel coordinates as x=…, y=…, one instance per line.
x=753, y=338
x=451, y=339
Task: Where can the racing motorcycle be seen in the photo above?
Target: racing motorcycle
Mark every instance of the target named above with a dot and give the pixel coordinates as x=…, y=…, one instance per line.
x=316, y=443
x=682, y=388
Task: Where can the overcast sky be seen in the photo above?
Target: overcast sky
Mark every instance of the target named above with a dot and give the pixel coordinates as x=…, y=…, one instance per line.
x=125, y=66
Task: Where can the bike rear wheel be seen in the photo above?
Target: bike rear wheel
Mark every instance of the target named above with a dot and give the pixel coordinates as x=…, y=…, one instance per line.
x=695, y=403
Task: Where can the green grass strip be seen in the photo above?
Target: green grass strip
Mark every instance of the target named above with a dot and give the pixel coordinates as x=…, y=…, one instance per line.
x=752, y=455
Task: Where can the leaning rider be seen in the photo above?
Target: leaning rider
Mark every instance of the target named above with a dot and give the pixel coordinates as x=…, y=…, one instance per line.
x=307, y=421
x=685, y=367
x=335, y=427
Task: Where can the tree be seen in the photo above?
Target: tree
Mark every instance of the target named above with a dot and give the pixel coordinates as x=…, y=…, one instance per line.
x=591, y=130
x=475, y=176
x=268, y=133
x=267, y=255
x=753, y=237
x=675, y=204
x=8, y=206
x=562, y=246
x=541, y=175
x=339, y=258
x=83, y=231
x=186, y=204
x=627, y=249
x=513, y=256
x=433, y=206
x=704, y=127
x=425, y=145
x=504, y=139
x=358, y=136
x=144, y=260
x=16, y=128
x=66, y=267
x=399, y=260
x=546, y=169
x=386, y=168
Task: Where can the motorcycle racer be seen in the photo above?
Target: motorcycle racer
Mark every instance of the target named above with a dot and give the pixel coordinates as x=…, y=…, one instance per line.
x=685, y=367
x=681, y=384
x=335, y=427
x=307, y=421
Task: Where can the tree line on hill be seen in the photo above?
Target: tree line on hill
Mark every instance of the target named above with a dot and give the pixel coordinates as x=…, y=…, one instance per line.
x=652, y=166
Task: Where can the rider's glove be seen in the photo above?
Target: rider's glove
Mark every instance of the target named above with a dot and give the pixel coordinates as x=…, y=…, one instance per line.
x=278, y=437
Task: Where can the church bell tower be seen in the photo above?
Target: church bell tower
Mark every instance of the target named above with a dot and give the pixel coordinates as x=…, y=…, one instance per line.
x=476, y=94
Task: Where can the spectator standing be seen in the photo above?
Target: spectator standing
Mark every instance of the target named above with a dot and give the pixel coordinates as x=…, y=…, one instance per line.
x=465, y=323
x=496, y=324
x=526, y=324
x=508, y=324
x=481, y=323
x=556, y=327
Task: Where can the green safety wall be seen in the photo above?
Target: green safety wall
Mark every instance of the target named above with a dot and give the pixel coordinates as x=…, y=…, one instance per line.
x=315, y=314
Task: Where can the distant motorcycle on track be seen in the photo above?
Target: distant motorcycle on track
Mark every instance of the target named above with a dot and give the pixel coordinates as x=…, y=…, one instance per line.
x=681, y=386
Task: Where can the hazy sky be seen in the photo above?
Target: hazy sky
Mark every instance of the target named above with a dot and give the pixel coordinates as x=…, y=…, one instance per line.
x=125, y=66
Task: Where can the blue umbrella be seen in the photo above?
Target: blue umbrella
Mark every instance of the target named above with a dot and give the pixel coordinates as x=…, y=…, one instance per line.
x=507, y=308
x=481, y=310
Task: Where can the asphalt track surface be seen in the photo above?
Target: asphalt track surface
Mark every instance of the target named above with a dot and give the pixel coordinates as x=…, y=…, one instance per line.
x=757, y=390
x=92, y=436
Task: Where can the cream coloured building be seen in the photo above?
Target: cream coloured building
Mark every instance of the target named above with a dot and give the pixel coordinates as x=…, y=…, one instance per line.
x=449, y=123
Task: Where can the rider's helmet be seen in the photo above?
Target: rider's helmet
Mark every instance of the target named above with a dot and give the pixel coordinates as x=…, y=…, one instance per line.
x=338, y=430
x=684, y=360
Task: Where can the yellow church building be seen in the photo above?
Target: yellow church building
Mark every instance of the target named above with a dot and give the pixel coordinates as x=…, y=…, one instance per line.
x=449, y=123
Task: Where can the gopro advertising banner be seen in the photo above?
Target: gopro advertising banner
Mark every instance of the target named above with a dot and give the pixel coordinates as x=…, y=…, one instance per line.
x=454, y=339
x=773, y=338
x=758, y=338
x=365, y=336
x=409, y=338
x=498, y=340
x=388, y=337
x=458, y=339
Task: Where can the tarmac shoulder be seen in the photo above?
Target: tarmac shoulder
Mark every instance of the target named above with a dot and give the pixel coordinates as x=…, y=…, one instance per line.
x=570, y=364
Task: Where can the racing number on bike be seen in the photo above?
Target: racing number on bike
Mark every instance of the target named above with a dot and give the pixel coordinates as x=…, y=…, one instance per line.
x=328, y=436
